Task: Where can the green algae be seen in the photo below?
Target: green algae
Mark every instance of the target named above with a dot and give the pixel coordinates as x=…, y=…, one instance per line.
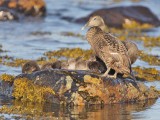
x=26, y=90
x=69, y=53
x=72, y=34
x=40, y=33
x=42, y=61
x=134, y=25
x=10, y=61
x=136, y=35
x=17, y=62
x=150, y=41
x=27, y=109
x=148, y=74
x=150, y=59
x=52, y=56
x=7, y=77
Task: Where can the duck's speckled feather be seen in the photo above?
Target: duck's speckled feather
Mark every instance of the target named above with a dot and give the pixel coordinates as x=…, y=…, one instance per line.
x=111, y=50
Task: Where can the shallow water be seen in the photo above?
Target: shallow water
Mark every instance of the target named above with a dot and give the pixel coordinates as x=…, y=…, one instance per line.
x=19, y=40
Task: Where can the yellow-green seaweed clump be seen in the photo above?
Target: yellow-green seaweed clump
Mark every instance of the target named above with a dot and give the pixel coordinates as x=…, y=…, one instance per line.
x=125, y=34
x=28, y=110
x=26, y=90
x=150, y=41
x=7, y=77
x=149, y=74
x=72, y=34
x=42, y=61
x=131, y=24
x=17, y=62
x=70, y=53
x=152, y=60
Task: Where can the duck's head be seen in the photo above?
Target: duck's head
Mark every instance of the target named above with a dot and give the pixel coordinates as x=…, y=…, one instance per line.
x=94, y=21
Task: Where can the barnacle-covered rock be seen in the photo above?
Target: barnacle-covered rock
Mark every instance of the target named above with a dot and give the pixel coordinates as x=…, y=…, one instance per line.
x=149, y=74
x=78, y=88
x=6, y=14
x=10, y=9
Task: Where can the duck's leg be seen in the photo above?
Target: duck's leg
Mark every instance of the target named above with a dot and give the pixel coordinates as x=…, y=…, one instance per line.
x=106, y=73
x=113, y=76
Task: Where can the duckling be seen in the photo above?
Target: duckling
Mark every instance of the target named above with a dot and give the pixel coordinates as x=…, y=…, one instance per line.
x=30, y=66
x=81, y=64
x=54, y=65
x=90, y=65
x=108, y=48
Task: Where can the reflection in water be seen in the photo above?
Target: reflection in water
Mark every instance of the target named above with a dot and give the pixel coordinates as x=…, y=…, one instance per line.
x=93, y=112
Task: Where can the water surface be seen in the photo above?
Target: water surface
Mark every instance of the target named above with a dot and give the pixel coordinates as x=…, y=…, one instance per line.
x=20, y=42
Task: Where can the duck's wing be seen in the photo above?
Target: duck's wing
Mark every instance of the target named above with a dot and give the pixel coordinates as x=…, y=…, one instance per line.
x=132, y=50
x=114, y=48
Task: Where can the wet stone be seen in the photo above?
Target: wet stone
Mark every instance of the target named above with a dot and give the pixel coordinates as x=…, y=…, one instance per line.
x=7, y=15
x=85, y=88
x=16, y=9
x=116, y=16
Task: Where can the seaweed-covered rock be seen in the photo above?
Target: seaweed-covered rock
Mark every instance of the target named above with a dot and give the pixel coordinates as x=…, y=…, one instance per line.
x=79, y=88
x=6, y=14
x=27, y=8
x=117, y=16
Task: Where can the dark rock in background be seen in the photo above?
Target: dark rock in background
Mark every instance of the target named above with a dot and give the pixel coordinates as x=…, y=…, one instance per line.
x=115, y=17
x=27, y=8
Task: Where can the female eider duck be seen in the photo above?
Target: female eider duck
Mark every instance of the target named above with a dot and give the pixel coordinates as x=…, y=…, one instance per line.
x=107, y=47
x=131, y=47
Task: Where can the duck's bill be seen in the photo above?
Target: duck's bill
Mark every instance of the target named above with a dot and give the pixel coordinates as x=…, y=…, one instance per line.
x=84, y=27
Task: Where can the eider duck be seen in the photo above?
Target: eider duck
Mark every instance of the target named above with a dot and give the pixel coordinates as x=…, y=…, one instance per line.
x=108, y=48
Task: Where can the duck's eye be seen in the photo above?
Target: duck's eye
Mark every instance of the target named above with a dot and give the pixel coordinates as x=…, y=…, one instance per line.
x=94, y=18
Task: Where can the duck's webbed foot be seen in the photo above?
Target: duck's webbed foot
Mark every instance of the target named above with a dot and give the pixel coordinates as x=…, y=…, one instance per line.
x=106, y=73
x=113, y=76
x=110, y=76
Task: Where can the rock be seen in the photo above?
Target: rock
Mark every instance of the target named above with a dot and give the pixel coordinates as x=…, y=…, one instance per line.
x=116, y=16
x=6, y=88
x=27, y=8
x=83, y=87
x=7, y=15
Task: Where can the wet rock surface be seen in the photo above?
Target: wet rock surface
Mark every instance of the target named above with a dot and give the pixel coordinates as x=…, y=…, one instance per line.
x=82, y=87
x=6, y=14
x=14, y=9
x=115, y=17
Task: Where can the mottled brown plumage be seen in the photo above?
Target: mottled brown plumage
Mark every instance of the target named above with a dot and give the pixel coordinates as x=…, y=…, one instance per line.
x=81, y=64
x=30, y=67
x=108, y=48
x=131, y=47
x=132, y=50
x=52, y=65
